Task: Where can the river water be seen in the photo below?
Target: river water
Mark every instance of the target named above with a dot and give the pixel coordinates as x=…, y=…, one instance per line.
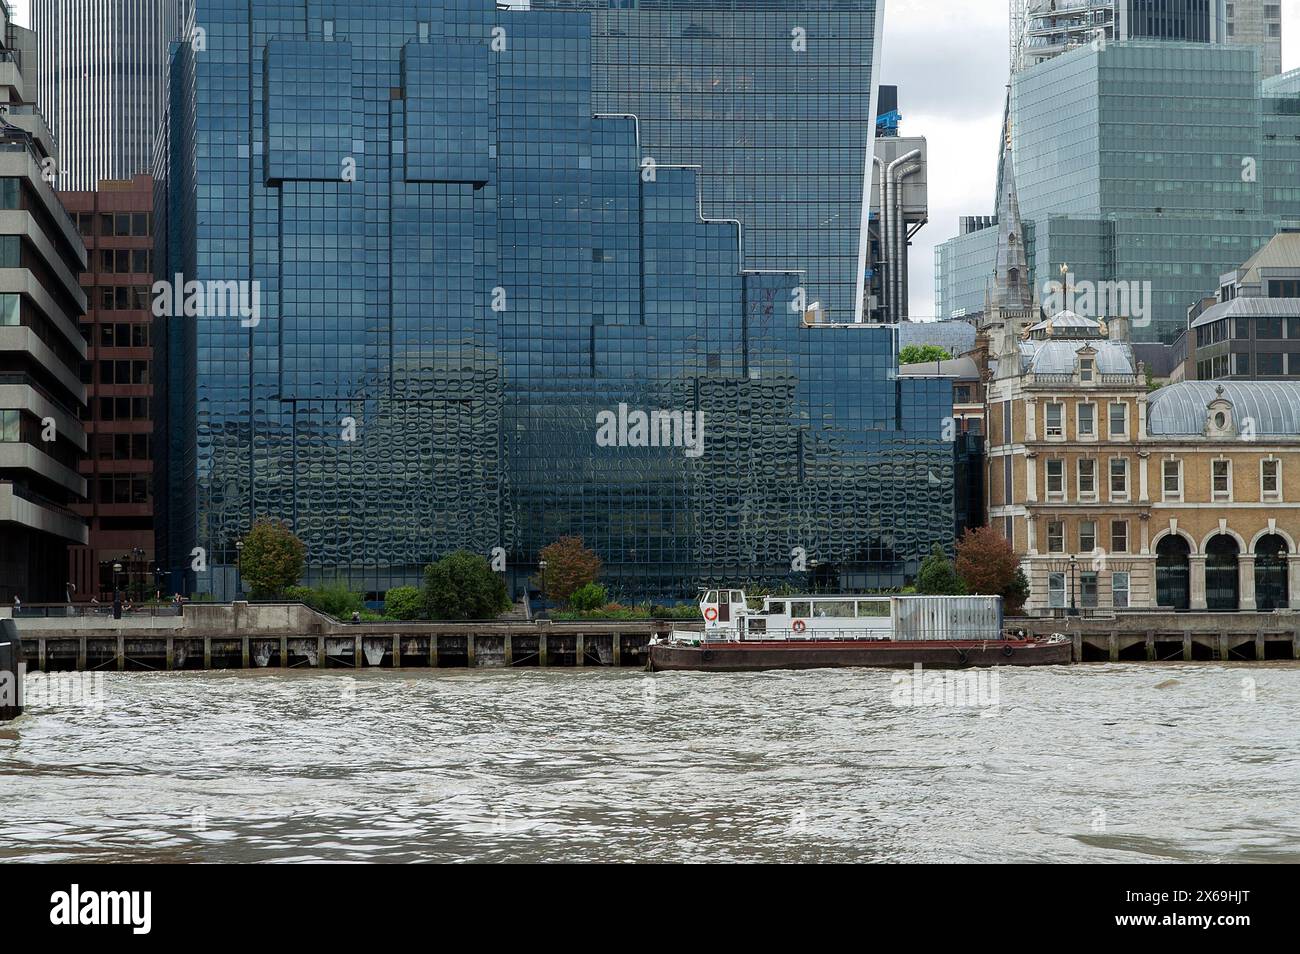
x=1094, y=763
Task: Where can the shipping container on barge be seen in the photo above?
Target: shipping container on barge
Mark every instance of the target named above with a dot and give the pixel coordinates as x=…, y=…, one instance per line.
x=817, y=631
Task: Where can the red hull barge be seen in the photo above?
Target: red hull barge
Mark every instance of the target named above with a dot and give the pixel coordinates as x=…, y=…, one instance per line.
x=741, y=656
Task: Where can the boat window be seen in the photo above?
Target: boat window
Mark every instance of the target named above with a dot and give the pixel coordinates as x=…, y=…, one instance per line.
x=778, y=608
x=873, y=608
x=800, y=610
x=737, y=596
x=833, y=608
x=711, y=596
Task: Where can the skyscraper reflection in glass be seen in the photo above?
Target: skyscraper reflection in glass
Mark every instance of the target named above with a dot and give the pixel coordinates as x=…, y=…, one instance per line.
x=463, y=266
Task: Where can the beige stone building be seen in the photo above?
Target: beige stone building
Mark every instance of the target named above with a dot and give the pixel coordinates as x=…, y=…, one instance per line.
x=1185, y=497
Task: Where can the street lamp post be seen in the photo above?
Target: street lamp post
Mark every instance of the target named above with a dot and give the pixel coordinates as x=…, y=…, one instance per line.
x=239, y=567
x=117, y=596
x=541, y=565
x=1074, y=568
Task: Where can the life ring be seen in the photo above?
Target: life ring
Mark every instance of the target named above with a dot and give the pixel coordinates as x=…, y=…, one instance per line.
x=1008, y=651
x=798, y=626
x=710, y=614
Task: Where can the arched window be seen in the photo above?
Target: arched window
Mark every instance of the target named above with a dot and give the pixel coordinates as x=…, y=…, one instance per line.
x=1172, y=573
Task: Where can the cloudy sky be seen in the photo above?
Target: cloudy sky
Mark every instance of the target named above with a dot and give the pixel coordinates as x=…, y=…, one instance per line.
x=949, y=60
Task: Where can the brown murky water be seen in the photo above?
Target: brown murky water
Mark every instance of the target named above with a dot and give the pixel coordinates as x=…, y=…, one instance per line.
x=1194, y=762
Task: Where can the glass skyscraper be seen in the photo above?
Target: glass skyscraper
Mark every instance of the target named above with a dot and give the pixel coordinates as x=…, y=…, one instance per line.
x=464, y=264
x=102, y=81
x=1141, y=162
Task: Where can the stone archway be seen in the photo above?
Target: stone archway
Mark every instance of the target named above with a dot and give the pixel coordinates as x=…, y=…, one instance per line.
x=1271, y=567
x=1173, y=576
x=1222, y=575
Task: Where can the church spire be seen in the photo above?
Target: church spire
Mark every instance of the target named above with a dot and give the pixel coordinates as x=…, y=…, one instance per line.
x=1011, y=276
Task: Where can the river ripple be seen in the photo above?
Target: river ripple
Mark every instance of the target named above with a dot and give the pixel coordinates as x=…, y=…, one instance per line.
x=1094, y=763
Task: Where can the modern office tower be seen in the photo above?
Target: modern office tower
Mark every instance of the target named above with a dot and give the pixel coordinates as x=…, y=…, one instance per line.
x=899, y=209
x=1250, y=330
x=1144, y=216
x=769, y=100
x=1258, y=24
x=470, y=287
x=1042, y=29
x=116, y=224
x=41, y=393
x=102, y=79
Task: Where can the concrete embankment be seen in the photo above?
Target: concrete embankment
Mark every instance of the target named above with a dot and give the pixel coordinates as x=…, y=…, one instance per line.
x=291, y=635
x=1168, y=636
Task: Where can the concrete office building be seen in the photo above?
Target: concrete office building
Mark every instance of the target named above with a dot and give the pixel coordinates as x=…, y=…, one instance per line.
x=41, y=301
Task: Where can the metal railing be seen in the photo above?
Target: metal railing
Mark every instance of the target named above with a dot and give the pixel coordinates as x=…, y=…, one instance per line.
x=80, y=610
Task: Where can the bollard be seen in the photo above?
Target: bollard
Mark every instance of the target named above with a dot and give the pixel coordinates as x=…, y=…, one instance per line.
x=11, y=671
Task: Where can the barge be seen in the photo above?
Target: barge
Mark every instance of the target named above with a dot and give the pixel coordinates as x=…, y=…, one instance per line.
x=818, y=631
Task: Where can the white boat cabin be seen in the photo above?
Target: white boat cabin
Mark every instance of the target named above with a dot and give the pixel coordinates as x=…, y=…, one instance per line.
x=727, y=616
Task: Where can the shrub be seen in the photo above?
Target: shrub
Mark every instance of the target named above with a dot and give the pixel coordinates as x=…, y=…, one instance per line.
x=937, y=576
x=588, y=597
x=332, y=597
x=404, y=602
x=462, y=586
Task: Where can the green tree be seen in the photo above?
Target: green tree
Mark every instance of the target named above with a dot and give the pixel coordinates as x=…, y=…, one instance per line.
x=404, y=602
x=569, y=566
x=937, y=576
x=462, y=586
x=271, y=559
x=589, y=597
x=919, y=354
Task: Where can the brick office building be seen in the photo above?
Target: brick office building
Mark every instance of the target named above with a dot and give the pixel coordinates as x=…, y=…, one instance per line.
x=116, y=223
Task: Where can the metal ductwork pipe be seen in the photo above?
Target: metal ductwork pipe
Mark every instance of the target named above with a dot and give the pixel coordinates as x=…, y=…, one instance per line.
x=897, y=229
x=882, y=229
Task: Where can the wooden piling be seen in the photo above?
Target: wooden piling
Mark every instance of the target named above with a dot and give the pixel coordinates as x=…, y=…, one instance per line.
x=469, y=650
x=1259, y=645
x=616, y=649
x=207, y=652
x=244, y=652
x=1187, y=645
x=40, y=653
x=541, y=649
x=433, y=650
x=284, y=652
x=1151, y=646
x=121, y=653
x=171, y=653
x=580, y=649
x=397, y=652
x=510, y=650
x=81, y=653
x=320, y=652
x=1112, y=646
x=357, y=650
x=1223, y=647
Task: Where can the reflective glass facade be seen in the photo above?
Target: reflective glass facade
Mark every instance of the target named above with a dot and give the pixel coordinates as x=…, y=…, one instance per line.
x=1143, y=162
x=767, y=97
x=440, y=334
